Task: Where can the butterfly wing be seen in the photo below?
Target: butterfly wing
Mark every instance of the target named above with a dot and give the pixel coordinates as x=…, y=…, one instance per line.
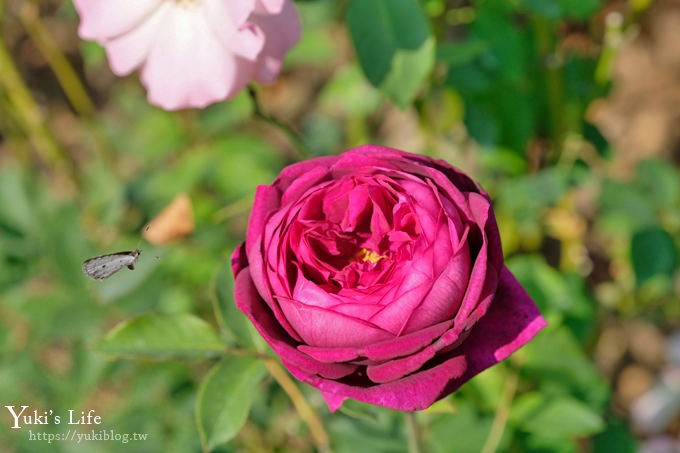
x=104, y=266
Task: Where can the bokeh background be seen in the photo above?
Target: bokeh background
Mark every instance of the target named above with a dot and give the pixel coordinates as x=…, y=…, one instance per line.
x=568, y=114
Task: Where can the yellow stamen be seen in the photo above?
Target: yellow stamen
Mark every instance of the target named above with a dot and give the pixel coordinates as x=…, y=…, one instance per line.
x=368, y=255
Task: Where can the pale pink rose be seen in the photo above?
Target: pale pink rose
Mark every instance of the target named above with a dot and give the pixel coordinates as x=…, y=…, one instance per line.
x=192, y=53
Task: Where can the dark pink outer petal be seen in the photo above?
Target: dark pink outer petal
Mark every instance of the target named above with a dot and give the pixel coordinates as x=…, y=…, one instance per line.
x=511, y=321
x=333, y=401
x=249, y=302
x=415, y=392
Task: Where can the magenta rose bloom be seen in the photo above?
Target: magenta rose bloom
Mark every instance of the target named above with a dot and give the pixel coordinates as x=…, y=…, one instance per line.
x=378, y=275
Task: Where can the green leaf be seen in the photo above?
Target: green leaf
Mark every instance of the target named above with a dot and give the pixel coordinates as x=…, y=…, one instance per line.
x=501, y=161
x=653, y=253
x=462, y=52
x=535, y=443
x=547, y=8
x=16, y=215
x=557, y=360
x=219, y=118
x=394, y=44
x=617, y=437
x=363, y=427
x=580, y=9
x=561, y=417
x=659, y=181
x=142, y=130
x=348, y=94
x=225, y=397
x=525, y=406
x=508, y=59
x=526, y=197
x=623, y=208
x=559, y=9
x=239, y=163
x=486, y=389
x=22, y=232
x=482, y=124
x=162, y=336
x=317, y=45
x=473, y=429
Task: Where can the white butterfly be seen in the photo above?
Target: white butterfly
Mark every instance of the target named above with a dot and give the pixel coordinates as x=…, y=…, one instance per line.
x=104, y=266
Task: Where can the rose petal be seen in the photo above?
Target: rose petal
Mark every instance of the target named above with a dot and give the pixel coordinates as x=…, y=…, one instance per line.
x=403, y=298
x=379, y=352
x=512, y=306
x=283, y=31
x=463, y=322
x=476, y=283
x=324, y=328
x=186, y=42
x=297, y=179
x=199, y=52
x=446, y=294
x=266, y=201
x=239, y=260
x=378, y=157
x=333, y=401
x=249, y=302
x=101, y=20
x=331, y=355
x=481, y=209
x=269, y=6
x=238, y=37
x=405, y=344
x=238, y=11
x=414, y=392
x=512, y=320
x=310, y=294
x=398, y=368
x=128, y=51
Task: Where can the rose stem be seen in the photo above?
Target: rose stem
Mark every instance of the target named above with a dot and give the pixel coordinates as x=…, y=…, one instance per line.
x=303, y=408
x=502, y=414
x=302, y=149
x=415, y=438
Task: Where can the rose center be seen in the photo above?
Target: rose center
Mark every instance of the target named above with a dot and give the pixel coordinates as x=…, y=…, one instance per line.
x=352, y=235
x=365, y=255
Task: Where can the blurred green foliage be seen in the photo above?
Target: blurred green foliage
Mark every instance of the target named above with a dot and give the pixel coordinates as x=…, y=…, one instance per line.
x=488, y=86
